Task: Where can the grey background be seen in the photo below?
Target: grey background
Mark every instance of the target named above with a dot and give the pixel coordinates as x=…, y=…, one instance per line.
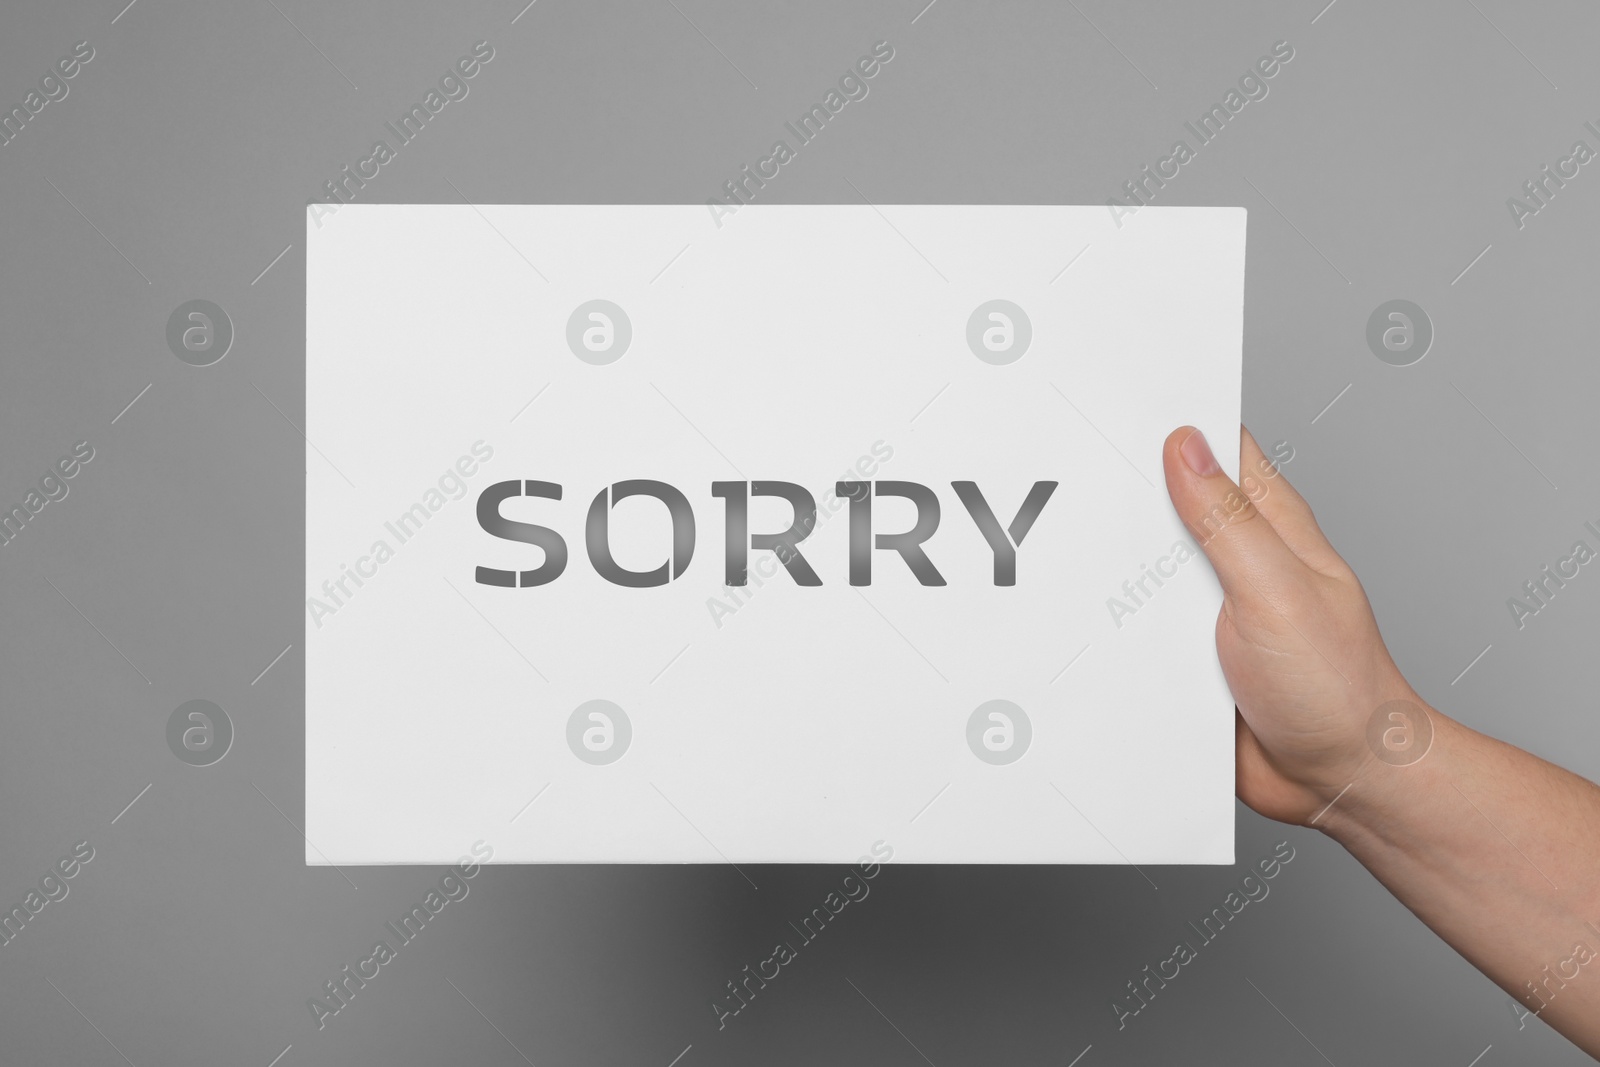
x=191, y=143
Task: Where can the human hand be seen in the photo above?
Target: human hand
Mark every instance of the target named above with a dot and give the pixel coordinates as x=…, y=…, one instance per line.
x=1479, y=839
x=1297, y=639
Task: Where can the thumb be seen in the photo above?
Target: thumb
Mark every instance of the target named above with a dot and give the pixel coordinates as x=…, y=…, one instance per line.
x=1246, y=552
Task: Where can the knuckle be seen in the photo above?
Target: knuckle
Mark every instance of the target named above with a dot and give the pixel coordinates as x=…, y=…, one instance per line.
x=1232, y=510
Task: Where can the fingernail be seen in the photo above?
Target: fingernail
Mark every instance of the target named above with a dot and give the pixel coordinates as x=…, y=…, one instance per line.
x=1197, y=454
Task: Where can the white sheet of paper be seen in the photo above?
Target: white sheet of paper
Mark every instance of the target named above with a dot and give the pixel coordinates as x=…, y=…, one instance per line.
x=777, y=722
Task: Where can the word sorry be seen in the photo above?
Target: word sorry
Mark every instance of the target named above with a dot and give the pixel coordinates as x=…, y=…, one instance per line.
x=738, y=540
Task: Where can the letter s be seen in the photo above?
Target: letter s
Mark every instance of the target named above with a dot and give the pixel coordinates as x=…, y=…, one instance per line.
x=495, y=524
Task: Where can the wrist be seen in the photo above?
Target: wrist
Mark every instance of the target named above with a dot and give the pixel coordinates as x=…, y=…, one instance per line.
x=1401, y=790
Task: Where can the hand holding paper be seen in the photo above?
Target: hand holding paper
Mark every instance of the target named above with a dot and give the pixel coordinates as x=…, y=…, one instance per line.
x=1330, y=733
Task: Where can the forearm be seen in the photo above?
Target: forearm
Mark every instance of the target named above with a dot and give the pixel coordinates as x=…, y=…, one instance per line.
x=1498, y=852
